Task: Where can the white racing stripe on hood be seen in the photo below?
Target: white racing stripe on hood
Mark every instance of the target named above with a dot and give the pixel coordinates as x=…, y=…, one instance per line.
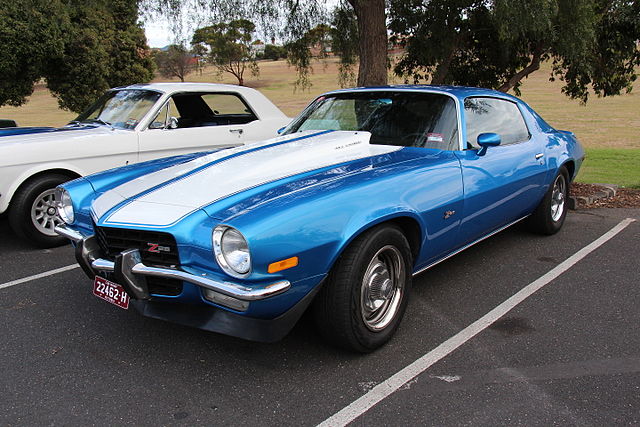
x=115, y=196
x=168, y=204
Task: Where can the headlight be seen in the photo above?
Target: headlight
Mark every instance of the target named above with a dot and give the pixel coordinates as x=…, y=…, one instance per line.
x=231, y=251
x=64, y=205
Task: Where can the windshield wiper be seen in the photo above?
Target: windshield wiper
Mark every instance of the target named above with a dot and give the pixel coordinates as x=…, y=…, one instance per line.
x=100, y=121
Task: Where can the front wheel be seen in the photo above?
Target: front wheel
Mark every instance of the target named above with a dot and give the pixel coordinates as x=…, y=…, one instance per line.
x=33, y=214
x=366, y=293
x=552, y=210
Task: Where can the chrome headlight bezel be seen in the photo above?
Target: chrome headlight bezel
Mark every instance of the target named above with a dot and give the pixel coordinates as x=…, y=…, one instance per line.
x=64, y=205
x=222, y=258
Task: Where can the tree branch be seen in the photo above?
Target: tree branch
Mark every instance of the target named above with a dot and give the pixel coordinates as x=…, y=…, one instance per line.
x=534, y=65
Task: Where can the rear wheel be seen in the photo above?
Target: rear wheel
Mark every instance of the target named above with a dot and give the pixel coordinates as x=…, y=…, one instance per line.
x=550, y=214
x=33, y=214
x=364, y=298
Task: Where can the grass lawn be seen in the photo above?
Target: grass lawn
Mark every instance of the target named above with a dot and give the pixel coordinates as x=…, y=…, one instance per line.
x=613, y=166
x=608, y=127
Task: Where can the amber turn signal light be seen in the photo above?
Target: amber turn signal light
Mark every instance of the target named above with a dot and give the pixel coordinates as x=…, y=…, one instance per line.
x=274, y=267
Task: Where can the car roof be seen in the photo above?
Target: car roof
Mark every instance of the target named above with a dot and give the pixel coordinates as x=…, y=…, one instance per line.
x=460, y=92
x=188, y=87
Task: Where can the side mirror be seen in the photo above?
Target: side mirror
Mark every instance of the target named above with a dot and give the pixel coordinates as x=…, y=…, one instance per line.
x=486, y=140
x=156, y=125
x=281, y=130
x=173, y=123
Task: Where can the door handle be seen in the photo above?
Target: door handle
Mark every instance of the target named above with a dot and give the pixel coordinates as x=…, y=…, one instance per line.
x=238, y=131
x=539, y=156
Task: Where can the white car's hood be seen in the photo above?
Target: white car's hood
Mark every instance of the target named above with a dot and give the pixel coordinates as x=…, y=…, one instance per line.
x=64, y=144
x=31, y=135
x=162, y=198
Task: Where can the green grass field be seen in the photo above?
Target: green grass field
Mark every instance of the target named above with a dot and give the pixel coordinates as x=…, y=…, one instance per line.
x=609, y=127
x=610, y=165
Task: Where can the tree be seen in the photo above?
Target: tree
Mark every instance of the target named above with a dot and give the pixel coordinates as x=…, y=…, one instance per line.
x=176, y=61
x=291, y=19
x=80, y=48
x=372, y=41
x=345, y=43
x=274, y=52
x=299, y=52
x=230, y=47
x=31, y=32
x=591, y=43
x=104, y=47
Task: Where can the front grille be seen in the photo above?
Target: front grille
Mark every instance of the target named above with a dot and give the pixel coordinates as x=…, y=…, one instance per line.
x=157, y=249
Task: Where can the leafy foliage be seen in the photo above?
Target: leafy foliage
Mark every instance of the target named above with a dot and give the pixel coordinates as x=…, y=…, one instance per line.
x=31, y=32
x=81, y=48
x=299, y=52
x=274, y=52
x=592, y=43
x=291, y=21
x=105, y=47
x=344, y=42
x=230, y=47
x=176, y=61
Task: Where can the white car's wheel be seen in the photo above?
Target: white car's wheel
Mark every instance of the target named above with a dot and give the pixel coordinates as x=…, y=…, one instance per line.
x=33, y=214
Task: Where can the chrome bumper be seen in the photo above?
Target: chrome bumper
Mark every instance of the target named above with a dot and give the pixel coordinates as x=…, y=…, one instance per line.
x=130, y=272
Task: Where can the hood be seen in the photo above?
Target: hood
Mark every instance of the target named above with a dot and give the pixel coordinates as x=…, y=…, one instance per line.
x=24, y=130
x=41, y=129
x=64, y=144
x=162, y=198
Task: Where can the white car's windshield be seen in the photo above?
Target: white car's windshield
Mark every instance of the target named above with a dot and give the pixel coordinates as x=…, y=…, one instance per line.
x=121, y=109
x=410, y=119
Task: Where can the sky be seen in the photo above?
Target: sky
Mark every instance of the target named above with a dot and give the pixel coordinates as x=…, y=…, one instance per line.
x=158, y=33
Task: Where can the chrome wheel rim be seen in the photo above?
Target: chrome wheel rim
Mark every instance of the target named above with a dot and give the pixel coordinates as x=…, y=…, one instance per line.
x=382, y=288
x=558, y=198
x=44, y=214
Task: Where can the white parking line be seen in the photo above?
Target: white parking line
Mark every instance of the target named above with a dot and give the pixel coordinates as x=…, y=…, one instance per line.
x=393, y=383
x=39, y=276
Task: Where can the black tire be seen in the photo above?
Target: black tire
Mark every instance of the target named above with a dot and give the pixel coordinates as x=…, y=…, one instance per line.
x=545, y=219
x=20, y=211
x=340, y=314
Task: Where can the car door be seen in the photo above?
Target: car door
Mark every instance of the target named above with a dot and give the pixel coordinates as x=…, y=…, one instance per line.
x=191, y=122
x=504, y=183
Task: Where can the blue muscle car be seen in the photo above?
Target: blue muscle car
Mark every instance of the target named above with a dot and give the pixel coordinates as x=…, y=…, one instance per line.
x=365, y=189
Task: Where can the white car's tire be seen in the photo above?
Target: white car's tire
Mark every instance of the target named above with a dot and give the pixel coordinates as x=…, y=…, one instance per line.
x=32, y=213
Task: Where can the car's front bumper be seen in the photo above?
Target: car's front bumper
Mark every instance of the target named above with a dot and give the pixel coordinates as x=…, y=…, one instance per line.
x=128, y=270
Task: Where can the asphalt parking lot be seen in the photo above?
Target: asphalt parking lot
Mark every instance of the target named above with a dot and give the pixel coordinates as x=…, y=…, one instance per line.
x=568, y=354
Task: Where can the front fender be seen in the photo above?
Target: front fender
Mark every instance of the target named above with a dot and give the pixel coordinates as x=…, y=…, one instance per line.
x=12, y=177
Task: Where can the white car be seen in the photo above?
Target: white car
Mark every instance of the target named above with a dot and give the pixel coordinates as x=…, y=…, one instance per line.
x=126, y=125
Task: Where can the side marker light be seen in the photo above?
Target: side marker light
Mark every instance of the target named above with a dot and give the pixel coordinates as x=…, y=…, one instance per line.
x=274, y=267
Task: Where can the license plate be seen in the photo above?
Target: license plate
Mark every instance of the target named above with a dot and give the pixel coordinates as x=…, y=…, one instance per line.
x=110, y=292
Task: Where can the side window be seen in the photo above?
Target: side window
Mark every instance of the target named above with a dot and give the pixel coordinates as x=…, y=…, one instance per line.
x=209, y=109
x=484, y=115
x=225, y=104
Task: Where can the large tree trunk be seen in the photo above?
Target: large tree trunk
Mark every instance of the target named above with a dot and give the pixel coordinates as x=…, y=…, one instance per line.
x=372, y=32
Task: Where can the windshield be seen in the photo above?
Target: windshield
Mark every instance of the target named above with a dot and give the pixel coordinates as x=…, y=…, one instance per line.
x=121, y=109
x=410, y=119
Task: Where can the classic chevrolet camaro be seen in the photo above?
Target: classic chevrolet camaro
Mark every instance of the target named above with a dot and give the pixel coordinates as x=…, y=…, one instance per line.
x=365, y=189
x=126, y=125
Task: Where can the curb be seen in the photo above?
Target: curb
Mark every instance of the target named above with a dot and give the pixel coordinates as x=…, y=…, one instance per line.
x=605, y=191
